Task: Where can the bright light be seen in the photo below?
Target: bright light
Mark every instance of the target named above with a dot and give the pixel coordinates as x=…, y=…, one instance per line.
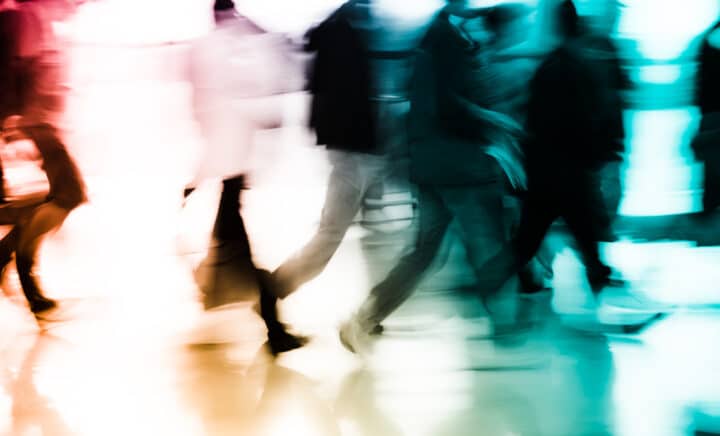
x=665, y=28
x=660, y=179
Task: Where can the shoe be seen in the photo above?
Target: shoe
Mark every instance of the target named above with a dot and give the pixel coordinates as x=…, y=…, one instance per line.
x=42, y=304
x=353, y=337
x=378, y=330
x=281, y=341
x=34, y=295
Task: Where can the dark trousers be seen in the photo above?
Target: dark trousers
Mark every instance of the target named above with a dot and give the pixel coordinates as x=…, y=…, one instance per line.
x=229, y=230
x=34, y=218
x=577, y=199
x=479, y=213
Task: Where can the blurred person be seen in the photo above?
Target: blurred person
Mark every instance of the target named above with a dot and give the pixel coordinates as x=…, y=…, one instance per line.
x=344, y=119
x=600, y=54
x=570, y=139
x=449, y=130
x=31, y=106
x=505, y=76
x=235, y=71
x=707, y=98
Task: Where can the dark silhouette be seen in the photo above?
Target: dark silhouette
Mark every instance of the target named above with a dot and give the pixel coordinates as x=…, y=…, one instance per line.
x=449, y=128
x=345, y=121
x=228, y=133
x=32, y=112
x=707, y=98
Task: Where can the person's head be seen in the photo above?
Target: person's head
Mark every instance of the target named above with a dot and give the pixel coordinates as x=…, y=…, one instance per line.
x=360, y=12
x=509, y=23
x=224, y=10
x=568, y=20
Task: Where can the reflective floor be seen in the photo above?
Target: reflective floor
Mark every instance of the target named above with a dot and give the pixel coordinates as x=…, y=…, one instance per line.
x=138, y=359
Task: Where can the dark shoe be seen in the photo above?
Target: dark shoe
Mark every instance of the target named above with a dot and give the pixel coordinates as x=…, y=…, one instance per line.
x=42, y=304
x=188, y=191
x=378, y=330
x=280, y=341
x=34, y=295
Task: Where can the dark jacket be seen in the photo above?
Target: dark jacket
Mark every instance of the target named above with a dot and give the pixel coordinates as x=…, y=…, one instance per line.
x=707, y=97
x=341, y=83
x=604, y=59
x=567, y=122
x=708, y=85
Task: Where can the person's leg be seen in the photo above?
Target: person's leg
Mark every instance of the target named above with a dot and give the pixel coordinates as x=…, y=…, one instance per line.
x=46, y=218
x=346, y=190
x=229, y=226
x=580, y=209
x=534, y=275
x=8, y=245
x=229, y=248
x=611, y=188
x=539, y=211
x=479, y=211
x=385, y=297
x=230, y=234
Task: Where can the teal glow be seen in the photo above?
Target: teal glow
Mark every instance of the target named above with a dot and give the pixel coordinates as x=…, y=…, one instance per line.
x=659, y=74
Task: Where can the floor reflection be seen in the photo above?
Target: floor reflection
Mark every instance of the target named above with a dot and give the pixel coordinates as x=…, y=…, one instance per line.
x=232, y=396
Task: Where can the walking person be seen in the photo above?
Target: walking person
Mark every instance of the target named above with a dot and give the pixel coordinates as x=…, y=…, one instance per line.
x=707, y=98
x=345, y=122
x=235, y=72
x=570, y=139
x=31, y=107
x=450, y=129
